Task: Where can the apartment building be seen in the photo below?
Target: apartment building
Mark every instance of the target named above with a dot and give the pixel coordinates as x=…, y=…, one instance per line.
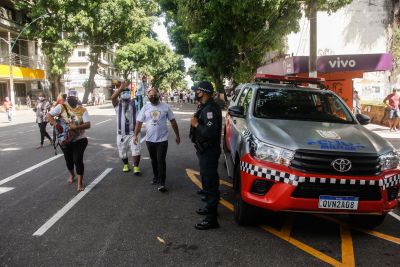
x=78, y=69
x=27, y=60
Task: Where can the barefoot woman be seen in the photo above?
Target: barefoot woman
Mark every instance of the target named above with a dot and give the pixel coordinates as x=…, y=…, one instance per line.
x=78, y=119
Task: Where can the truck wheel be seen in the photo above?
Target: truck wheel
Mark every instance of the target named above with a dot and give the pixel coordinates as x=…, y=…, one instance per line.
x=243, y=212
x=368, y=221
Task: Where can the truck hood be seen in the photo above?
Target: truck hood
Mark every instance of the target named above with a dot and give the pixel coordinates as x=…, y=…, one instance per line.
x=310, y=135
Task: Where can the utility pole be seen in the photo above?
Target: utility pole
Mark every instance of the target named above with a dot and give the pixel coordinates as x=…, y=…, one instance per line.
x=312, y=59
x=11, y=73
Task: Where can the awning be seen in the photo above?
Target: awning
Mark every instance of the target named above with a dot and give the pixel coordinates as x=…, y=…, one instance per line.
x=20, y=73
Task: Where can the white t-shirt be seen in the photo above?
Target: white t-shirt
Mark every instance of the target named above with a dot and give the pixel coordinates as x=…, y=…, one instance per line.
x=78, y=115
x=156, y=118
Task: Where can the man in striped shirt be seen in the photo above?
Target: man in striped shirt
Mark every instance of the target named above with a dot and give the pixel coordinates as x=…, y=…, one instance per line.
x=125, y=108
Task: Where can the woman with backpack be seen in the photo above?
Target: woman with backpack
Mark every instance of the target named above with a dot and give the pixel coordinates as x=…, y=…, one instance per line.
x=74, y=119
x=42, y=106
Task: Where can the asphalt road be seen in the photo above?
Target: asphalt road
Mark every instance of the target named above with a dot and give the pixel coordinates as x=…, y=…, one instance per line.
x=122, y=220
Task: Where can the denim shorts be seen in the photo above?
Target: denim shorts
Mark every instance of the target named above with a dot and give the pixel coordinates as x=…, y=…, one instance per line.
x=394, y=113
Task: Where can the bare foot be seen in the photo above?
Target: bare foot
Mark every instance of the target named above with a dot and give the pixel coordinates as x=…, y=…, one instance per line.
x=39, y=147
x=81, y=188
x=71, y=179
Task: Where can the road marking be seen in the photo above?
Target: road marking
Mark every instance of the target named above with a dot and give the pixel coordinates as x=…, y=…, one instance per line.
x=285, y=233
x=26, y=131
x=141, y=140
x=192, y=175
x=347, y=246
x=101, y=122
x=5, y=189
x=70, y=205
x=10, y=149
x=394, y=215
x=12, y=177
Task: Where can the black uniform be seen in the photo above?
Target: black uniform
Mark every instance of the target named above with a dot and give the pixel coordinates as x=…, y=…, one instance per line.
x=207, y=139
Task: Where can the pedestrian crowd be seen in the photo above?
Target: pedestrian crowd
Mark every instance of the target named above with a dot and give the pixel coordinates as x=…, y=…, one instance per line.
x=70, y=119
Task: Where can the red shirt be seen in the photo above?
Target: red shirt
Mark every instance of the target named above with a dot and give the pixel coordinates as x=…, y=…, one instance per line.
x=394, y=100
x=7, y=104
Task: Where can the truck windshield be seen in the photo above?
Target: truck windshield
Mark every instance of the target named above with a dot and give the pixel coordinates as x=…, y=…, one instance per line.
x=321, y=106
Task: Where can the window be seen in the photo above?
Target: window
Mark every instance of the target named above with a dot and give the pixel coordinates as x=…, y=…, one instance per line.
x=81, y=53
x=321, y=106
x=247, y=101
x=82, y=71
x=20, y=89
x=242, y=96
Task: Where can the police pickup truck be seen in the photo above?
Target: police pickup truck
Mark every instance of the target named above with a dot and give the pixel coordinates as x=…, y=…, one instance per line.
x=298, y=148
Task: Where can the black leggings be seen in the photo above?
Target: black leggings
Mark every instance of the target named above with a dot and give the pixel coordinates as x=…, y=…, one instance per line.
x=73, y=154
x=43, y=133
x=158, y=153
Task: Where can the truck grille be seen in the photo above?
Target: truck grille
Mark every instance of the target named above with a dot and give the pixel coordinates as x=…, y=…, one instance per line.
x=363, y=192
x=315, y=161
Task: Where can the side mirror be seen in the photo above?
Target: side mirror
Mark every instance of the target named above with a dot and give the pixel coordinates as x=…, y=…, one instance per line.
x=363, y=119
x=236, y=111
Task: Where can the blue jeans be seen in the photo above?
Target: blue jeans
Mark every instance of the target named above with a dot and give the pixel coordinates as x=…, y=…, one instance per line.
x=9, y=114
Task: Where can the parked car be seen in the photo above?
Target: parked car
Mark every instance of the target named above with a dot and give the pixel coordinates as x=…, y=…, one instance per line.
x=297, y=148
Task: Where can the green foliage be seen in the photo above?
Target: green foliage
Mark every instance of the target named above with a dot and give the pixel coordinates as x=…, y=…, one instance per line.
x=198, y=74
x=229, y=39
x=50, y=18
x=396, y=46
x=153, y=58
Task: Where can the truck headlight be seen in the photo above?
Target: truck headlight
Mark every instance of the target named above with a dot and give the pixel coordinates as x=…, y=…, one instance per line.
x=271, y=153
x=389, y=161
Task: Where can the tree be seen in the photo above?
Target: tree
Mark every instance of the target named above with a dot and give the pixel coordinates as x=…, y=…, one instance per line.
x=50, y=19
x=198, y=74
x=230, y=38
x=104, y=23
x=153, y=58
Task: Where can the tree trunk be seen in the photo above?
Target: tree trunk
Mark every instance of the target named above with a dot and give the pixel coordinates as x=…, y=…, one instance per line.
x=57, y=85
x=94, y=60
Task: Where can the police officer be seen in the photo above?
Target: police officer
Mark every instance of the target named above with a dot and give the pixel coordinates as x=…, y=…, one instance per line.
x=206, y=135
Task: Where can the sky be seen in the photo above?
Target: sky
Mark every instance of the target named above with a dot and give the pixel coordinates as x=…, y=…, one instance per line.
x=162, y=35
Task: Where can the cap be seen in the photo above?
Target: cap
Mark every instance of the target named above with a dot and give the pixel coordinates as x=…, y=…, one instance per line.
x=73, y=93
x=206, y=87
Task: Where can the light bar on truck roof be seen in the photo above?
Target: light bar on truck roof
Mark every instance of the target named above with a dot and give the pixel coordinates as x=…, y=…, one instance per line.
x=288, y=79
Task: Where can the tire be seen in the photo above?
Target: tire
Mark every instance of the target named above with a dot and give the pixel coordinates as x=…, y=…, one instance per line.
x=368, y=221
x=242, y=212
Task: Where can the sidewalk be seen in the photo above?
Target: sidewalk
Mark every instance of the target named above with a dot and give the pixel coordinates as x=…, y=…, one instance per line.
x=28, y=116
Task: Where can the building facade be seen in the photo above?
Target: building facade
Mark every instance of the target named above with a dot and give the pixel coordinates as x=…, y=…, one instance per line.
x=362, y=27
x=78, y=69
x=26, y=59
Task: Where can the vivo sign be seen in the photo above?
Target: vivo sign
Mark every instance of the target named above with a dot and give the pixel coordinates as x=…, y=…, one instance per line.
x=342, y=63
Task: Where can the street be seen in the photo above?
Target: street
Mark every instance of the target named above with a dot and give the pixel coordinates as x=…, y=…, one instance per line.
x=122, y=220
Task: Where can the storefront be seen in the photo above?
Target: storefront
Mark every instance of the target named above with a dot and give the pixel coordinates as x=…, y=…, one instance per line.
x=339, y=71
x=26, y=82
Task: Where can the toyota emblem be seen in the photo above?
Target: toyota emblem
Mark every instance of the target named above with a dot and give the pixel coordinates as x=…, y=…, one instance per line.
x=341, y=165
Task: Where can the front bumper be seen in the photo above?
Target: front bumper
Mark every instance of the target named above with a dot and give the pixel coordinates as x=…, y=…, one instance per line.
x=285, y=180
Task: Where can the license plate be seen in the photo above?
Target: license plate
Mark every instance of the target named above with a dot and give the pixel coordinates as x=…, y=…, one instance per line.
x=338, y=203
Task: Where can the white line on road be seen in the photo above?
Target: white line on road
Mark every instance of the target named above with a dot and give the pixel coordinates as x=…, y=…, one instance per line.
x=12, y=177
x=70, y=205
x=26, y=131
x=394, y=215
x=141, y=140
x=5, y=189
x=102, y=122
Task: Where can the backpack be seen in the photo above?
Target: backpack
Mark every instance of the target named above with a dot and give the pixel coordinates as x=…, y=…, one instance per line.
x=62, y=135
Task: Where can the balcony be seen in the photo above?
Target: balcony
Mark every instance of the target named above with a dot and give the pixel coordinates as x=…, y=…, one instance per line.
x=20, y=61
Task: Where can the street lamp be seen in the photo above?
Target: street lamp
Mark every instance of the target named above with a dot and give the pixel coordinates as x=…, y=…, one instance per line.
x=10, y=48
